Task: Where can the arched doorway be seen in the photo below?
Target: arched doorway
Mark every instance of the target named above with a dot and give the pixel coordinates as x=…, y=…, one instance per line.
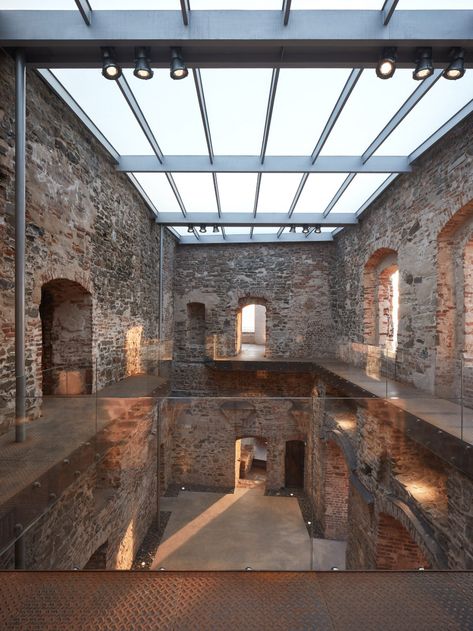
x=294, y=464
x=66, y=326
x=251, y=456
x=251, y=328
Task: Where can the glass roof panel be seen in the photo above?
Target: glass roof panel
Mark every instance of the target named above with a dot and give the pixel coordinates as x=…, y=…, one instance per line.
x=172, y=111
x=27, y=5
x=135, y=5
x=432, y=5
x=360, y=189
x=236, y=103
x=304, y=101
x=242, y=5
x=237, y=191
x=370, y=107
x=277, y=192
x=237, y=230
x=182, y=231
x=197, y=191
x=318, y=192
x=440, y=103
x=265, y=230
x=103, y=102
x=159, y=191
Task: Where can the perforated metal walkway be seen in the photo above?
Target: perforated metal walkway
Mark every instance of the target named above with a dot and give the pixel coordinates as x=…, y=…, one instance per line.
x=213, y=601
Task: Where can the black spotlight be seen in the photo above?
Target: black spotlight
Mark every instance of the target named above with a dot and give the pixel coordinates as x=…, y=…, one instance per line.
x=292, y=229
x=317, y=229
x=387, y=64
x=456, y=68
x=203, y=229
x=142, y=68
x=215, y=229
x=424, y=67
x=110, y=69
x=305, y=229
x=190, y=228
x=178, y=67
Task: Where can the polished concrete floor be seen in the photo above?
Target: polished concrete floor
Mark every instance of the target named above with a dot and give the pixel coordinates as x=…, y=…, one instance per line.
x=210, y=531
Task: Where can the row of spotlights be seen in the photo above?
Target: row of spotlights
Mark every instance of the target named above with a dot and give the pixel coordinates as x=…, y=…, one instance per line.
x=424, y=65
x=305, y=229
x=112, y=70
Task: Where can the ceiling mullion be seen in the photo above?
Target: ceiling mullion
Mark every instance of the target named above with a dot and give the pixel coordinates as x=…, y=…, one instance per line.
x=286, y=9
x=346, y=183
x=85, y=11
x=337, y=110
x=401, y=114
x=388, y=10
x=300, y=188
x=185, y=11
x=257, y=191
x=269, y=112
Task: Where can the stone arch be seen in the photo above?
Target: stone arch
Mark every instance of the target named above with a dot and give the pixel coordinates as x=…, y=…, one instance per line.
x=261, y=332
x=66, y=329
x=455, y=305
x=336, y=491
x=402, y=540
x=379, y=300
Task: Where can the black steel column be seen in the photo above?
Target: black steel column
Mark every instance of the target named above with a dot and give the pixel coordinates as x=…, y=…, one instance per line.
x=20, y=164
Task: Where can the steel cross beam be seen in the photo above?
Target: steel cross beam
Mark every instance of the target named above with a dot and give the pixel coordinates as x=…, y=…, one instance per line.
x=185, y=10
x=85, y=10
x=286, y=9
x=388, y=10
x=337, y=220
x=143, y=123
x=222, y=38
x=272, y=164
x=256, y=238
x=269, y=112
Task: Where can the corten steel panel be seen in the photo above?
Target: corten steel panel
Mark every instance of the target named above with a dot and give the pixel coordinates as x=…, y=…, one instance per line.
x=293, y=601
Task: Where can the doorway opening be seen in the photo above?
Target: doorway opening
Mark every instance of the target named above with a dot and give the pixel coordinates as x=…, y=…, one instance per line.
x=294, y=464
x=251, y=456
x=252, y=331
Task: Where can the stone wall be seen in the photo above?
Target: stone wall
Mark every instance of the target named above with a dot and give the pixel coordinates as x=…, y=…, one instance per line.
x=86, y=224
x=408, y=219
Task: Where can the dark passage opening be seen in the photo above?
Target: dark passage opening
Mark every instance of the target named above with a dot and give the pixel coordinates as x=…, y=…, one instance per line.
x=294, y=463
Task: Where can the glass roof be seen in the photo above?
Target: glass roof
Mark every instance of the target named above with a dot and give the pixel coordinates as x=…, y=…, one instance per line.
x=236, y=108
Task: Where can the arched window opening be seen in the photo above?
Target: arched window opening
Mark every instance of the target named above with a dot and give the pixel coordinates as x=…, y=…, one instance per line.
x=251, y=455
x=66, y=325
x=381, y=300
x=251, y=330
x=395, y=548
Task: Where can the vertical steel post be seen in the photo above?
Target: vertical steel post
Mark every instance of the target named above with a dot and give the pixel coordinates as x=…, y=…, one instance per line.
x=20, y=164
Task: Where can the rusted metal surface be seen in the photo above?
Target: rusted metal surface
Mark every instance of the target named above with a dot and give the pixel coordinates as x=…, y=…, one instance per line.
x=210, y=601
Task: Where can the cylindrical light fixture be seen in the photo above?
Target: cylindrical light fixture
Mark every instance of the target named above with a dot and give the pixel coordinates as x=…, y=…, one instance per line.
x=110, y=69
x=317, y=229
x=305, y=229
x=456, y=68
x=387, y=63
x=178, y=67
x=190, y=228
x=292, y=229
x=215, y=229
x=203, y=229
x=424, y=67
x=142, y=68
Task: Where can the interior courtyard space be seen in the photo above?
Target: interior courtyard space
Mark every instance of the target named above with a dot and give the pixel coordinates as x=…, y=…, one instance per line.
x=236, y=315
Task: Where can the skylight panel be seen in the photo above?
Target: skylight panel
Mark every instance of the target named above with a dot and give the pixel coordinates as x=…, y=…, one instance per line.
x=35, y=5
x=318, y=192
x=266, y=230
x=442, y=102
x=434, y=5
x=360, y=189
x=304, y=101
x=370, y=107
x=197, y=191
x=135, y=5
x=277, y=192
x=166, y=103
x=236, y=103
x=159, y=191
x=104, y=104
x=237, y=230
x=237, y=191
x=233, y=5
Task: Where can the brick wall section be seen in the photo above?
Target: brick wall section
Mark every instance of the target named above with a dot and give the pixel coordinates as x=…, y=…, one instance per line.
x=85, y=223
x=395, y=550
x=292, y=279
x=407, y=218
x=336, y=493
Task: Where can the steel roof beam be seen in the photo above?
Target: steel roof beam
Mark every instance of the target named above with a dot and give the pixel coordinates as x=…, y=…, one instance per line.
x=388, y=10
x=185, y=11
x=401, y=114
x=286, y=9
x=269, y=112
x=85, y=11
x=346, y=183
x=337, y=220
x=272, y=164
x=256, y=238
x=199, y=88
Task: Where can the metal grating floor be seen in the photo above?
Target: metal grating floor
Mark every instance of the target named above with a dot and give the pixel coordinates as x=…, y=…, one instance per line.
x=213, y=601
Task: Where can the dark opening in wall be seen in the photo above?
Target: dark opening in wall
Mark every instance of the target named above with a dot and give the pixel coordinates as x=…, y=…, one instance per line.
x=66, y=325
x=294, y=463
